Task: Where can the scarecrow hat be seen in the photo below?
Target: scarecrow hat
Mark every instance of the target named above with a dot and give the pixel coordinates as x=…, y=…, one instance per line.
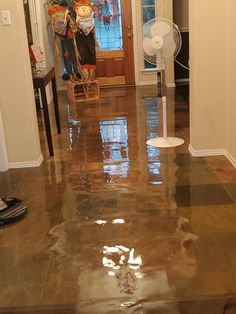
x=58, y=5
x=55, y=8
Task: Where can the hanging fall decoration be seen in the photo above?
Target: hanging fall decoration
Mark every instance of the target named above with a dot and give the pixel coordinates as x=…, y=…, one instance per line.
x=107, y=11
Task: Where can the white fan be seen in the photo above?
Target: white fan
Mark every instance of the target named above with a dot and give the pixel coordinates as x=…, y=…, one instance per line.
x=161, y=42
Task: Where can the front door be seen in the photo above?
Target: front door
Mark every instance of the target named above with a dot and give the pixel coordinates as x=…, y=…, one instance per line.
x=114, y=32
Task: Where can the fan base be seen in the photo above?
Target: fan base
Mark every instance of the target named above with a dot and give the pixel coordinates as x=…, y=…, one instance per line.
x=165, y=142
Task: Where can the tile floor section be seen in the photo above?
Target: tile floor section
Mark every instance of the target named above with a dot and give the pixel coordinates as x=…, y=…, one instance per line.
x=116, y=226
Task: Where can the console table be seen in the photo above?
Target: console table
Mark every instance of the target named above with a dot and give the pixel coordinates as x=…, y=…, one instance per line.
x=41, y=79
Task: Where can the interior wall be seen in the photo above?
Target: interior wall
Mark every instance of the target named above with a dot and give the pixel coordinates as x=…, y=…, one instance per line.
x=208, y=74
x=16, y=89
x=213, y=75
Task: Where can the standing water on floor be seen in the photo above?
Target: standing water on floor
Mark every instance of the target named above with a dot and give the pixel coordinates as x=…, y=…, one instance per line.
x=121, y=241
x=116, y=226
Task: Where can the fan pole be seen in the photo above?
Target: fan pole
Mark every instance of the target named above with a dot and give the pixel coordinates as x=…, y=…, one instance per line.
x=161, y=87
x=165, y=141
x=164, y=116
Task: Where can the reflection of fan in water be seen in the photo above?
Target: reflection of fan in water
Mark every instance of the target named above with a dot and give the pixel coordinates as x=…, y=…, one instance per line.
x=161, y=42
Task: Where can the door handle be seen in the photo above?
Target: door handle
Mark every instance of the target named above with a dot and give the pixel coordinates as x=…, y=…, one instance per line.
x=130, y=35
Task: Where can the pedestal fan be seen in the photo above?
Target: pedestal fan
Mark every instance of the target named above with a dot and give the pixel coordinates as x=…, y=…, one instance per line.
x=162, y=42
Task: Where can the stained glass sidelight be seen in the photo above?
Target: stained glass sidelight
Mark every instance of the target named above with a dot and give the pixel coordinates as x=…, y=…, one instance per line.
x=108, y=24
x=148, y=13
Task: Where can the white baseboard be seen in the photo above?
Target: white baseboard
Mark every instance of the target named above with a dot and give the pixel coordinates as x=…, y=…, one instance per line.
x=206, y=152
x=230, y=158
x=212, y=152
x=170, y=85
x=26, y=164
x=144, y=83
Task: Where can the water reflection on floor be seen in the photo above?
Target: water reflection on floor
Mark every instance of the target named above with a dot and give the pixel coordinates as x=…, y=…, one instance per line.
x=116, y=226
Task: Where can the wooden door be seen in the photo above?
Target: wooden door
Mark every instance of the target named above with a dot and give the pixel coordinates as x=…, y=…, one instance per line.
x=115, y=57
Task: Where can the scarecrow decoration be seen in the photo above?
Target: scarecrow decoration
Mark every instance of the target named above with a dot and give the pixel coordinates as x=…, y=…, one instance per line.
x=73, y=25
x=64, y=29
x=85, y=37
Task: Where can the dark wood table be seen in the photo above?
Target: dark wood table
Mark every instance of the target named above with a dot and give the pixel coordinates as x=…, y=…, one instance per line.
x=41, y=79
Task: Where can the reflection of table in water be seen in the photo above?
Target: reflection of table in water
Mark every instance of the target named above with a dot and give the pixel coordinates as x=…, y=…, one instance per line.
x=41, y=79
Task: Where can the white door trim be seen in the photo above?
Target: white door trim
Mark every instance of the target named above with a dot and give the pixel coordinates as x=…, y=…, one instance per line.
x=3, y=149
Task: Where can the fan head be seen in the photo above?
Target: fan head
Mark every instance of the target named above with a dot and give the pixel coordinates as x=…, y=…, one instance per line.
x=161, y=41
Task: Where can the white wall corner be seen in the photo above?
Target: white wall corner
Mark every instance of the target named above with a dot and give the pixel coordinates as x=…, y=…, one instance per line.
x=26, y=164
x=230, y=158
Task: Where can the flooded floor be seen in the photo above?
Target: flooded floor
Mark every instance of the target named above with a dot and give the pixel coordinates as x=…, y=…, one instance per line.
x=116, y=226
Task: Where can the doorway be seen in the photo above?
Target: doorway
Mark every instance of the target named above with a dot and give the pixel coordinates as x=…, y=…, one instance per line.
x=181, y=18
x=115, y=56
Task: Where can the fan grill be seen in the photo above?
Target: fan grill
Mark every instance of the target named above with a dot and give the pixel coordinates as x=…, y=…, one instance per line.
x=170, y=34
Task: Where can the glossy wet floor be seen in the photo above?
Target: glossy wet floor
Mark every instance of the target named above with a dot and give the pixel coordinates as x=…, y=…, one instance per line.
x=116, y=226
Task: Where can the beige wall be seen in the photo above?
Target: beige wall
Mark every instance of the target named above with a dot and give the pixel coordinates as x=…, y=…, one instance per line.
x=16, y=89
x=181, y=13
x=208, y=74
x=213, y=75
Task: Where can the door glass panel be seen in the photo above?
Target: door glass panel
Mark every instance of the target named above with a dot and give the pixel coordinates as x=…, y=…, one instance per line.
x=148, y=13
x=108, y=24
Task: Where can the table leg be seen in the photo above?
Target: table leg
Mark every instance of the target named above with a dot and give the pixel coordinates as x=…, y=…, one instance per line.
x=56, y=108
x=37, y=100
x=47, y=120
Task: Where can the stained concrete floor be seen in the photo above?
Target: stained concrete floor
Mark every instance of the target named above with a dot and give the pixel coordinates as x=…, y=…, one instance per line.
x=116, y=226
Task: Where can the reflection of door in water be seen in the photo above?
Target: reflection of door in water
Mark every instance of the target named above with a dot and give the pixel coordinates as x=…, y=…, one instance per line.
x=114, y=32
